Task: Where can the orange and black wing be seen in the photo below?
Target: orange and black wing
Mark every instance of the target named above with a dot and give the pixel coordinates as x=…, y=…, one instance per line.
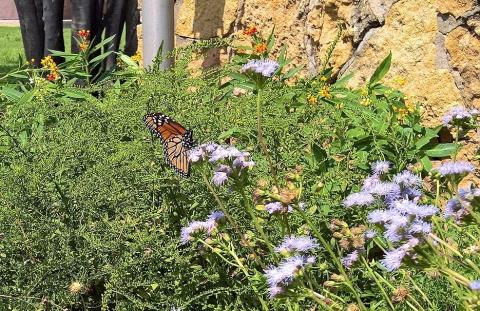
x=176, y=155
x=163, y=126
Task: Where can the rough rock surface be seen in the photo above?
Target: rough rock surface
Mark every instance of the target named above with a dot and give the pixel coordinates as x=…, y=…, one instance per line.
x=435, y=43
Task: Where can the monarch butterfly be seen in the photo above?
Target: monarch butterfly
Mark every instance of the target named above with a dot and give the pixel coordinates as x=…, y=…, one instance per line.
x=175, y=138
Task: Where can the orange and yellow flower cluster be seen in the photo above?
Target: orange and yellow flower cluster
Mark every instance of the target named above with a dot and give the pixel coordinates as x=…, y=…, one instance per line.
x=84, y=39
x=250, y=31
x=48, y=63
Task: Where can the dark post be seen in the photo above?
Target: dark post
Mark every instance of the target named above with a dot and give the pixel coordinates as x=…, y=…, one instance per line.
x=31, y=24
x=53, y=20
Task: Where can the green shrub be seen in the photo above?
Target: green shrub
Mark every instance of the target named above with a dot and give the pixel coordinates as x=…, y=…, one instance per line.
x=90, y=215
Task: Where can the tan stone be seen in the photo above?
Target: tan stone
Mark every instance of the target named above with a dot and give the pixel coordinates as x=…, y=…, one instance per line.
x=464, y=50
x=455, y=7
x=204, y=19
x=411, y=38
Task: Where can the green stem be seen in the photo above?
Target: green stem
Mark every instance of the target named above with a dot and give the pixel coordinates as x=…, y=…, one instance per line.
x=333, y=256
x=218, y=254
x=221, y=205
x=261, y=140
x=424, y=296
x=379, y=285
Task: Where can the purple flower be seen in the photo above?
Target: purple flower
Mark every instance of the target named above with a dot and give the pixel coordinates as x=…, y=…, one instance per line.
x=369, y=234
x=455, y=209
x=216, y=216
x=393, y=259
x=421, y=227
x=411, y=208
x=195, y=227
x=457, y=116
x=380, y=216
x=219, y=178
x=196, y=155
x=475, y=285
x=469, y=195
x=277, y=208
x=264, y=67
x=297, y=244
x=385, y=188
x=274, y=291
x=358, y=199
x=380, y=167
x=407, y=179
x=219, y=154
x=350, y=259
x=455, y=168
x=370, y=182
x=240, y=163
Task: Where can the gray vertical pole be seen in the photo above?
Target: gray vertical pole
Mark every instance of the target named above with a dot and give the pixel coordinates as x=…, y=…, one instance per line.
x=158, y=27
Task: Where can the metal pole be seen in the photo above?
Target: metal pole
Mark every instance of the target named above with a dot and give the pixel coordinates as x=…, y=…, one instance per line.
x=158, y=27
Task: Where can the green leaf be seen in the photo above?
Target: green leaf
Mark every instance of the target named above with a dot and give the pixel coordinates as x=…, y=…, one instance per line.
x=100, y=57
x=127, y=60
x=382, y=70
x=427, y=164
x=102, y=43
x=442, y=150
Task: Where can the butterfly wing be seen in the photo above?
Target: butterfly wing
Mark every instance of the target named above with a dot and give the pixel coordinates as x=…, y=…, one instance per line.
x=176, y=155
x=163, y=126
x=171, y=133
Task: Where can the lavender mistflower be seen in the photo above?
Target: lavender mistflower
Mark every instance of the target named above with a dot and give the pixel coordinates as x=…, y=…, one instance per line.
x=385, y=188
x=274, y=291
x=297, y=244
x=381, y=216
x=219, y=178
x=369, y=234
x=358, y=199
x=455, y=209
x=264, y=67
x=420, y=227
x=380, y=167
x=469, y=195
x=216, y=216
x=456, y=115
x=407, y=179
x=455, y=168
x=475, y=285
x=411, y=208
x=393, y=259
x=196, y=155
x=219, y=154
x=370, y=182
x=350, y=259
x=240, y=163
x=277, y=208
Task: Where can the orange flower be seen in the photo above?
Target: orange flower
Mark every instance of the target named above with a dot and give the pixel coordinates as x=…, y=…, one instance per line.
x=52, y=77
x=84, y=34
x=260, y=48
x=250, y=31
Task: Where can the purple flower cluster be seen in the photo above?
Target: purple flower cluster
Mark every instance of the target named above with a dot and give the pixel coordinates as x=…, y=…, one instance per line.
x=459, y=115
x=405, y=223
x=278, y=278
x=292, y=244
x=459, y=206
x=455, y=168
x=187, y=234
x=230, y=160
x=350, y=259
x=405, y=185
x=281, y=276
x=278, y=208
x=475, y=285
x=264, y=67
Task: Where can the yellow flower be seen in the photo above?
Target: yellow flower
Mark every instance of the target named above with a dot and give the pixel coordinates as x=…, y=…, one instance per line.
x=75, y=287
x=399, y=80
x=325, y=92
x=411, y=107
x=364, y=92
x=365, y=101
x=323, y=78
x=137, y=57
x=312, y=100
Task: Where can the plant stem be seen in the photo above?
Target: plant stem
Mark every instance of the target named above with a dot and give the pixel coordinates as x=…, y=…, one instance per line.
x=334, y=257
x=385, y=295
x=222, y=206
x=261, y=140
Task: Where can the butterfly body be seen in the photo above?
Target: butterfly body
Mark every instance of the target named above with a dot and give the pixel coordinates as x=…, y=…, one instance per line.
x=176, y=140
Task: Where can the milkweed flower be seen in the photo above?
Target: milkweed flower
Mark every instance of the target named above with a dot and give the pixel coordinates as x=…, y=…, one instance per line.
x=455, y=168
x=358, y=199
x=264, y=67
x=293, y=244
x=250, y=31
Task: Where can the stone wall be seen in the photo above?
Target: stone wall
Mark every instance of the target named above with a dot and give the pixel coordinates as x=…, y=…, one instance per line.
x=435, y=43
